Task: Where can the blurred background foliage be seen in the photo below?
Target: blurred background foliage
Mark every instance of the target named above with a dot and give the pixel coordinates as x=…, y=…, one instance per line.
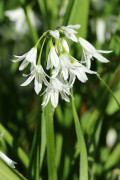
x=21, y=23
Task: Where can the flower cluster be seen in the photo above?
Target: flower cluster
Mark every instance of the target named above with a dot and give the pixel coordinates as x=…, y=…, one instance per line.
x=63, y=67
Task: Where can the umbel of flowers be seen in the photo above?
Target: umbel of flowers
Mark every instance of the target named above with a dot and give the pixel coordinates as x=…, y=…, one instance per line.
x=63, y=67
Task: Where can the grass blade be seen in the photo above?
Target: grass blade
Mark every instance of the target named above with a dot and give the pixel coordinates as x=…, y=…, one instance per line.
x=82, y=146
x=80, y=18
x=9, y=139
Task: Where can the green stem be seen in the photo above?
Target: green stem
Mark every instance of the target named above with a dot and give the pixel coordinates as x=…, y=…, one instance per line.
x=108, y=89
x=31, y=28
x=37, y=161
x=39, y=59
x=81, y=144
x=52, y=170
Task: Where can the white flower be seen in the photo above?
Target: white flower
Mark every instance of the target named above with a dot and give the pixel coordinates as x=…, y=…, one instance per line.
x=111, y=137
x=39, y=75
x=100, y=30
x=70, y=32
x=7, y=160
x=69, y=66
x=52, y=91
x=63, y=44
x=53, y=59
x=89, y=51
x=19, y=19
x=79, y=71
x=29, y=57
x=55, y=34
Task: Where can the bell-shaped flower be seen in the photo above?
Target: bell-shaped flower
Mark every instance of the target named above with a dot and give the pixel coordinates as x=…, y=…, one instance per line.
x=29, y=57
x=39, y=76
x=78, y=70
x=53, y=59
x=63, y=44
x=89, y=51
x=7, y=160
x=70, y=32
x=52, y=92
x=54, y=34
x=70, y=67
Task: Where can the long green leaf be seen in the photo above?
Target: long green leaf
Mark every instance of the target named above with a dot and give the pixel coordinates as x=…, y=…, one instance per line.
x=79, y=15
x=52, y=170
x=82, y=146
x=6, y=173
x=9, y=139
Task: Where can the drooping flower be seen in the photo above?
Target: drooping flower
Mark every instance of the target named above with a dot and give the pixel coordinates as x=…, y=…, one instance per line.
x=39, y=75
x=52, y=92
x=54, y=34
x=63, y=44
x=53, y=59
x=69, y=66
x=29, y=57
x=70, y=32
x=89, y=51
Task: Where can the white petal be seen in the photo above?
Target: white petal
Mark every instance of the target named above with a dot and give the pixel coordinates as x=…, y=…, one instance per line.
x=54, y=98
x=23, y=65
x=82, y=73
x=68, y=30
x=104, y=52
x=49, y=64
x=65, y=73
x=46, y=99
x=64, y=96
x=77, y=26
x=28, y=81
x=8, y=161
x=78, y=74
x=54, y=57
x=71, y=36
x=65, y=61
x=72, y=79
x=55, y=34
x=65, y=44
x=100, y=58
x=32, y=55
x=85, y=44
x=88, y=63
x=38, y=83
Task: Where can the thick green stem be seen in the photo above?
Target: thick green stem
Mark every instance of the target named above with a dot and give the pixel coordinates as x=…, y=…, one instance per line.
x=52, y=170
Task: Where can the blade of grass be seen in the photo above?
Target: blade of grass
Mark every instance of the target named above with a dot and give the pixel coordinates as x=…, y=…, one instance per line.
x=6, y=173
x=9, y=139
x=52, y=170
x=80, y=18
x=82, y=146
